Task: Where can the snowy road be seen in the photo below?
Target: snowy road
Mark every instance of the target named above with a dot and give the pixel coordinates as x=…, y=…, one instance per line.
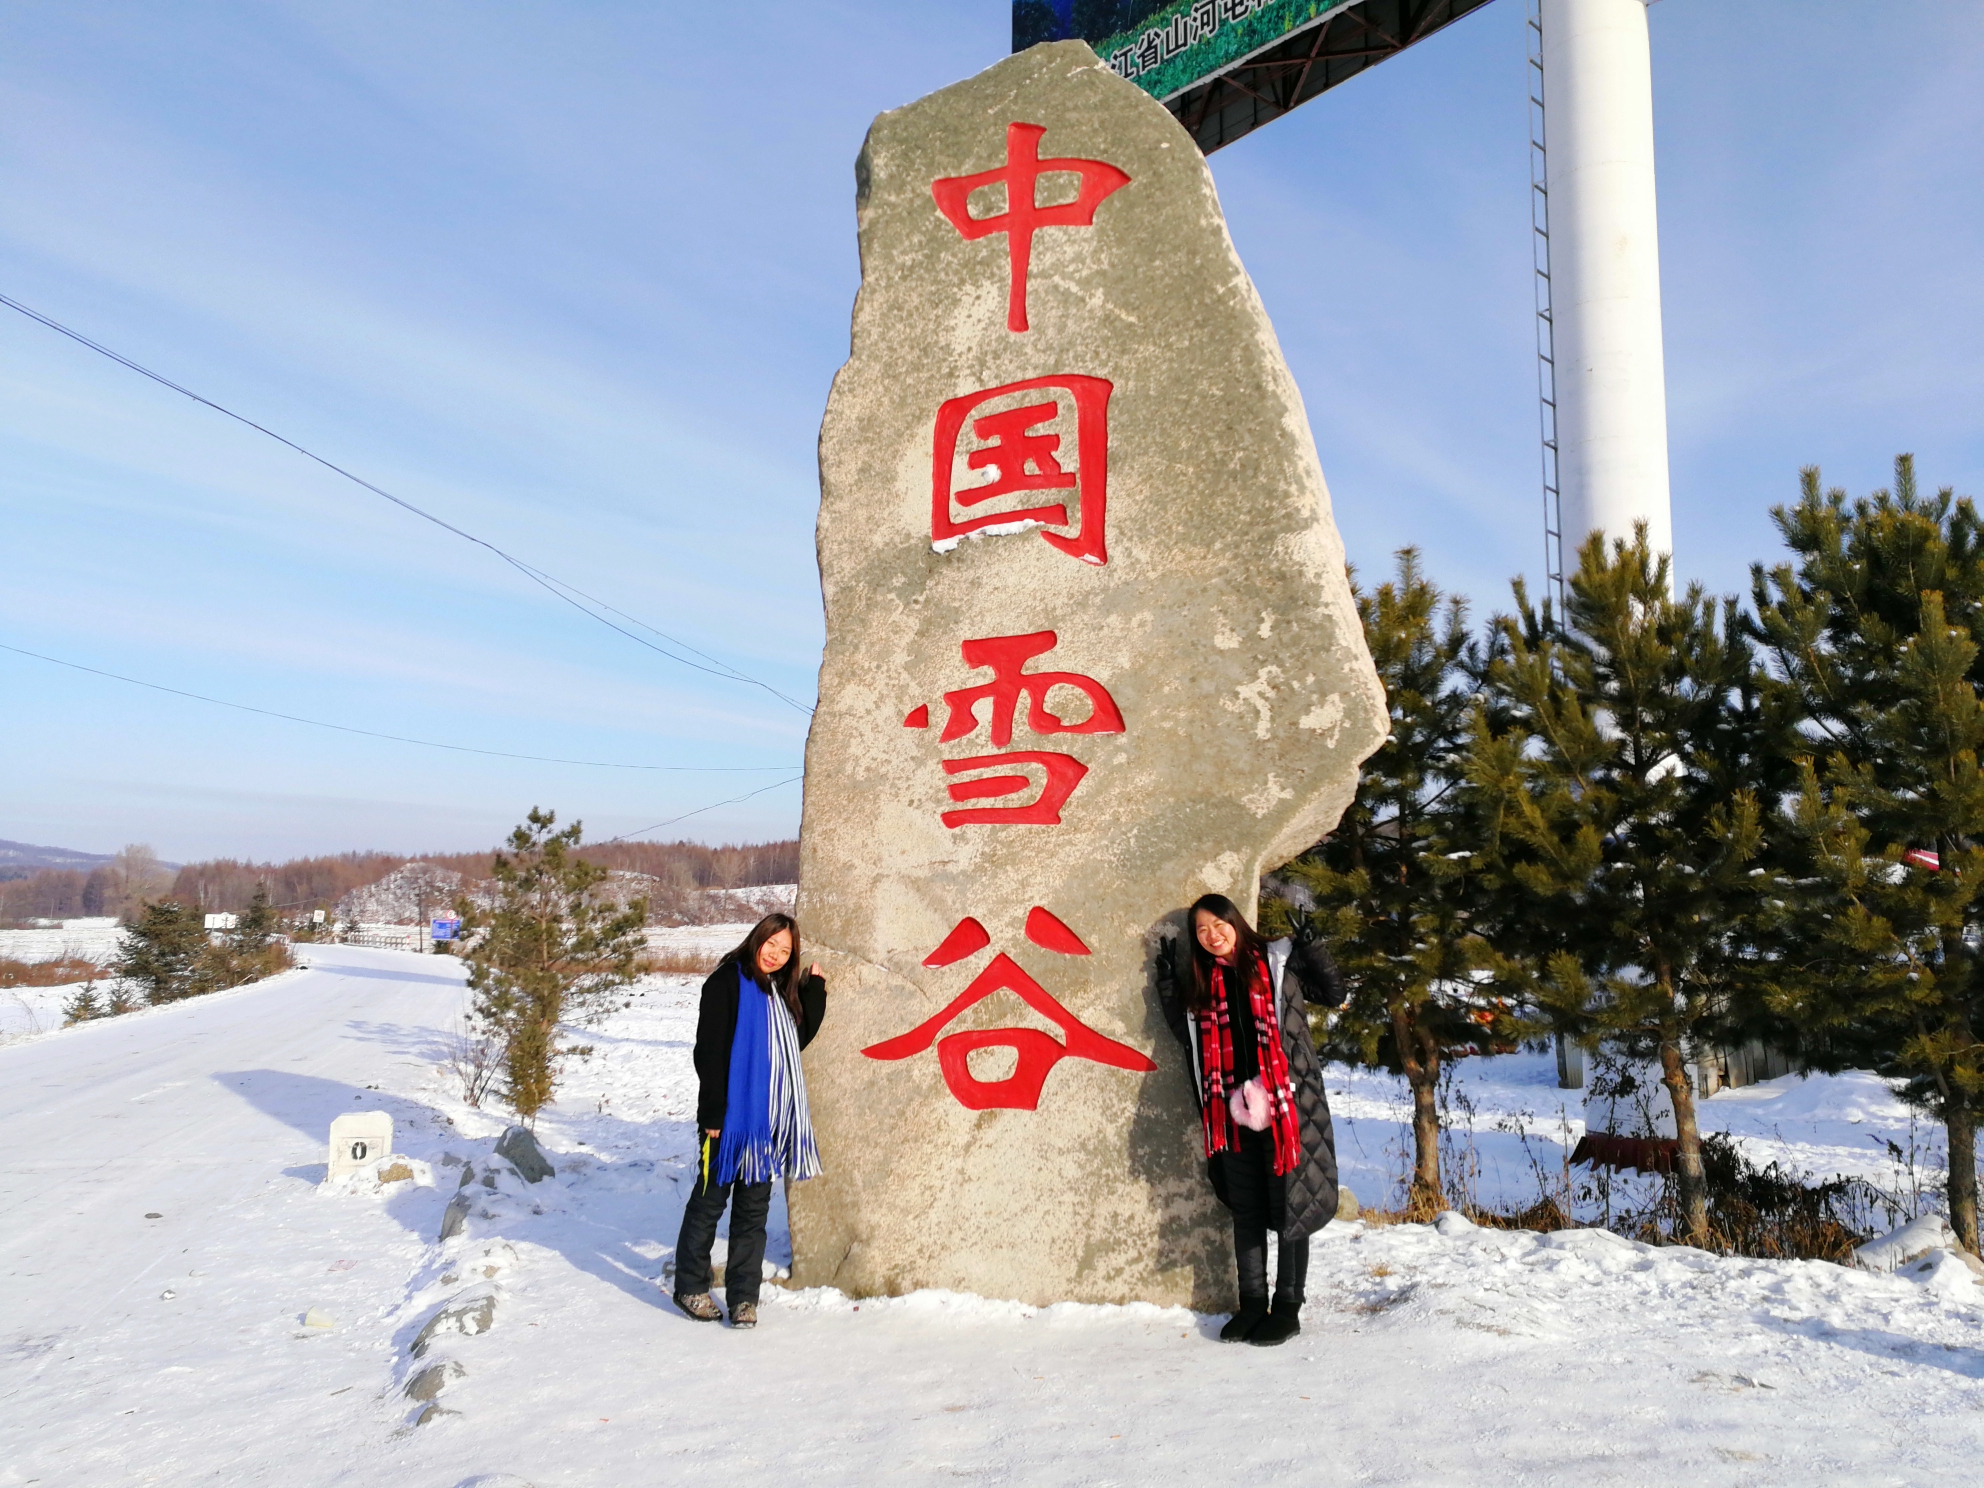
x=170, y=1350
x=204, y=1113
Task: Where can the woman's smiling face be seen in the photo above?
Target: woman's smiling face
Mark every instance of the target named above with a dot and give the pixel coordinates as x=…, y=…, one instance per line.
x=775, y=952
x=1215, y=935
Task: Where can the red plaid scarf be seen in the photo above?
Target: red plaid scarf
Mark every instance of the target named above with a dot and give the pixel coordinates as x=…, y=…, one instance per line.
x=1216, y=1067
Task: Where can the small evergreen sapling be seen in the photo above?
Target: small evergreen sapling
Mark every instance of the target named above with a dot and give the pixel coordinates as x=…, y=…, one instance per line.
x=551, y=951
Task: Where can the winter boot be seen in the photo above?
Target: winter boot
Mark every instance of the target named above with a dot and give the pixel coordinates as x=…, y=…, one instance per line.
x=744, y=1315
x=1250, y=1254
x=1282, y=1323
x=1253, y=1312
x=700, y=1305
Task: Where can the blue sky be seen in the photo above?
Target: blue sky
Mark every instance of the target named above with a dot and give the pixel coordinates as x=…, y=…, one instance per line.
x=576, y=277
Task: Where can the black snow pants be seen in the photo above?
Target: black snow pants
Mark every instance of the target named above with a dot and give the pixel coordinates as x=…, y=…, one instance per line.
x=1255, y=1195
x=744, y=1271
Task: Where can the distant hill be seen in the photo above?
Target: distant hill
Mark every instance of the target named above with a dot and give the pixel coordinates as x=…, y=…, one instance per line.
x=18, y=859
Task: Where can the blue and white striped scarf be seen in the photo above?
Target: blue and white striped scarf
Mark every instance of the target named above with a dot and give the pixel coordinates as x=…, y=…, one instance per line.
x=767, y=1128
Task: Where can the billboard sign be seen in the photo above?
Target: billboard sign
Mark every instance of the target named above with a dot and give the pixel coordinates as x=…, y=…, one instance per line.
x=447, y=928
x=1166, y=47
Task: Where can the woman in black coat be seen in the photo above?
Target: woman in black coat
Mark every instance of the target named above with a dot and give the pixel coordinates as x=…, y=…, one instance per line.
x=1270, y=1150
x=752, y=1120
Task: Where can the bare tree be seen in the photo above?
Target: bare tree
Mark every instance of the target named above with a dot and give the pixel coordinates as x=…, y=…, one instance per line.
x=136, y=875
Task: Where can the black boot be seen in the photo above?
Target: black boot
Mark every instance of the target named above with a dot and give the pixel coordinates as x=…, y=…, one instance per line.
x=1240, y=1327
x=1291, y=1277
x=1250, y=1253
x=1282, y=1323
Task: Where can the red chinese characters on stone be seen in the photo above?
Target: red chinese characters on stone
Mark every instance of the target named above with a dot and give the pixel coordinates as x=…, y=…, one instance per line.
x=1024, y=216
x=1018, y=437
x=1006, y=658
x=1035, y=1053
x=1064, y=773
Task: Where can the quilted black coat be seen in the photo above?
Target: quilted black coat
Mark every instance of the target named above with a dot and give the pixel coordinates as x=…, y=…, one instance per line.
x=1302, y=966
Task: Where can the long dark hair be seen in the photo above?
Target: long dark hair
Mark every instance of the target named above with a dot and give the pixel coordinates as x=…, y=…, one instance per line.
x=784, y=981
x=1248, y=949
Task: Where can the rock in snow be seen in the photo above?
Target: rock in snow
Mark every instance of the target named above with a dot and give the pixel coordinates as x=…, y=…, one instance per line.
x=430, y=1381
x=471, y=1313
x=455, y=1216
x=520, y=1147
x=1905, y=1243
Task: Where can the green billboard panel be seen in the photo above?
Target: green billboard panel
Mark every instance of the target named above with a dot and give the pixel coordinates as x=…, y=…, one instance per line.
x=1169, y=46
x=1226, y=67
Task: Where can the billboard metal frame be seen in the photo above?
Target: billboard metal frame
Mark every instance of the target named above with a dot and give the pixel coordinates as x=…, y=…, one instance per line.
x=1245, y=92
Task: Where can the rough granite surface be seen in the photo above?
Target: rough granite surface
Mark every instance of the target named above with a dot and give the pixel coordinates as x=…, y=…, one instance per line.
x=1221, y=624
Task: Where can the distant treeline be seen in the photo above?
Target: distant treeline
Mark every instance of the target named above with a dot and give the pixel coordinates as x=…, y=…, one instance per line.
x=225, y=885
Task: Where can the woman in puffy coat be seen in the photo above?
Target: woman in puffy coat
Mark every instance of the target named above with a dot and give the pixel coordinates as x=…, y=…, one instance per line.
x=758, y=1012
x=1232, y=1001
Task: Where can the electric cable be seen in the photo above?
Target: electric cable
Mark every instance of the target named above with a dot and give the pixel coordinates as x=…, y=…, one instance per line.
x=627, y=836
x=344, y=728
x=554, y=586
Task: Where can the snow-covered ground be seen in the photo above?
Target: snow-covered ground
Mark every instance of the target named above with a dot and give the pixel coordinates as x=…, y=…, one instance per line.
x=163, y=1234
x=25, y=1011
x=1510, y=1129
x=94, y=939
x=710, y=941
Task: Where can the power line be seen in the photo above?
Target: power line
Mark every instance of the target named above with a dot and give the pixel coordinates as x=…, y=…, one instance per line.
x=395, y=738
x=625, y=836
x=556, y=587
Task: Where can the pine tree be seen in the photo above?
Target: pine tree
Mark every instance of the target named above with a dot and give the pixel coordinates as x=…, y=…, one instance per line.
x=1624, y=809
x=84, y=1006
x=160, y=954
x=551, y=951
x=1877, y=631
x=1393, y=887
x=253, y=949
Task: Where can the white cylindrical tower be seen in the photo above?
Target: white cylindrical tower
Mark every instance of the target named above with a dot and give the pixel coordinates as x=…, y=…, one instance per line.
x=1611, y=386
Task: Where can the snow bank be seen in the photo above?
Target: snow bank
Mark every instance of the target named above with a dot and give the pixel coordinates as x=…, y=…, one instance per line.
x=1905, y=1243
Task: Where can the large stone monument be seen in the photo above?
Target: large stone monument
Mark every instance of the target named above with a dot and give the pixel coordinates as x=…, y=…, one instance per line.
x=1090, y=653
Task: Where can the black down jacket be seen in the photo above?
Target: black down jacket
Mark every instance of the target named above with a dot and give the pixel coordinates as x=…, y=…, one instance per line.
x=1311, y=1194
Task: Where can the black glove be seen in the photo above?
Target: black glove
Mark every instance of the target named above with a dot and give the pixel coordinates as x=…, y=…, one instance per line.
x=1167, y=968
x=1314, y=967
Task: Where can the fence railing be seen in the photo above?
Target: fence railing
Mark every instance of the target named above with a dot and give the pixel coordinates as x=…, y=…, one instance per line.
x=387, y=938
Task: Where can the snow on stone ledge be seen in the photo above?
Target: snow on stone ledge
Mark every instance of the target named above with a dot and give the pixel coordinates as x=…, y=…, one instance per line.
x=1905, y=1243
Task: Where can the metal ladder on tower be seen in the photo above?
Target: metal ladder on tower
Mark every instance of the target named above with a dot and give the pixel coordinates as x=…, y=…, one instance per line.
x=1570, y=1056
x=1546, y=336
